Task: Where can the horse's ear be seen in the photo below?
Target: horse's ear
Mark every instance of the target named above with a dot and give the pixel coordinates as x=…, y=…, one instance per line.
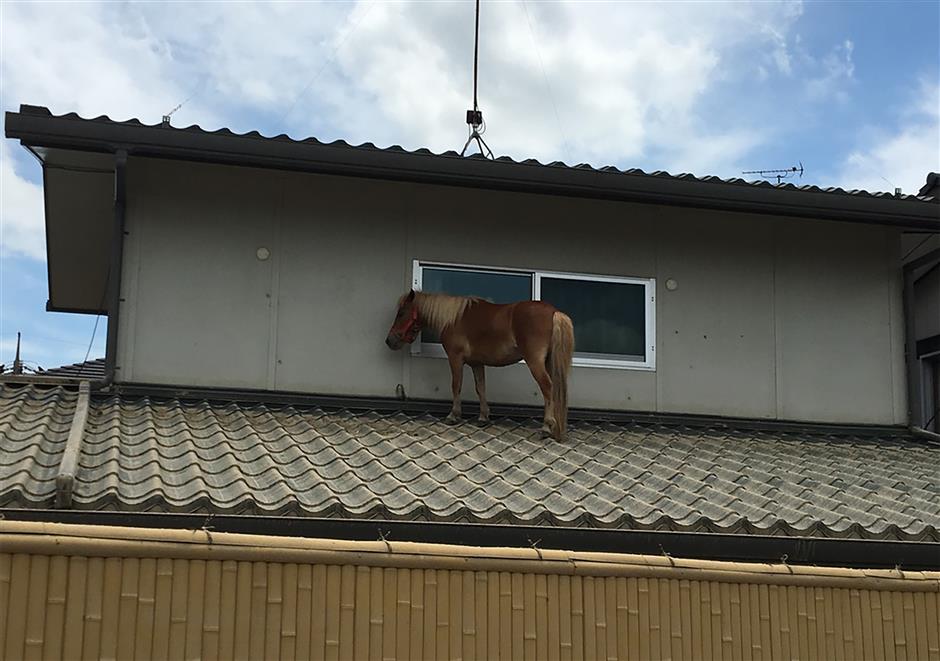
x=411, y=296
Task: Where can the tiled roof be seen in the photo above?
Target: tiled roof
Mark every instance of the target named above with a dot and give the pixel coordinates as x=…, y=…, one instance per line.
x=142, y=454
x=196, y=130
x=90, y=370
x=933, y=180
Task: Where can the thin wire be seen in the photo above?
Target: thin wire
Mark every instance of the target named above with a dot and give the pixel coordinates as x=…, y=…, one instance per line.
x=932, y=418
x=326, y=62
x=91, y=342
x=551, y=95
x=94, y=331
x=46, y=338
x=198, y=90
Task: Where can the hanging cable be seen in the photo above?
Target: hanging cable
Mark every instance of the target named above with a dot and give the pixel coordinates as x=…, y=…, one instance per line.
x=474, y=116
x=327, y=61
x=198, y=90
x=94, y=331
x=476, y=55
x=548, y=85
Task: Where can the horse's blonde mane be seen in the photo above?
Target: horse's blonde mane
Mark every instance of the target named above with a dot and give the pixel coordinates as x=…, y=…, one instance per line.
x=438, y=311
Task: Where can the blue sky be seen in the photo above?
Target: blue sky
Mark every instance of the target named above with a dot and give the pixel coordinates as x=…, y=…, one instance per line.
x=848, y=88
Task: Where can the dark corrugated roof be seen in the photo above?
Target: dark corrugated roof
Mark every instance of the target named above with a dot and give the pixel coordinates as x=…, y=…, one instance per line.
x=142, y=454
x=89, y=370
x=36, y=126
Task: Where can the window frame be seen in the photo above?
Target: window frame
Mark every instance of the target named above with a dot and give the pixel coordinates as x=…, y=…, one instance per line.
x=429, y=350
x=930, y=378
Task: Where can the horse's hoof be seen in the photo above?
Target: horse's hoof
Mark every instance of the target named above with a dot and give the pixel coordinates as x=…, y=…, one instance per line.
x=546, y=431
x=451, y=419
x=483, y=421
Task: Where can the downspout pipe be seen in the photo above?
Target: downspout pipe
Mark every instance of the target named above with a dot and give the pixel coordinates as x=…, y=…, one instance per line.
x=65, y=480
x=114, y=267
x=915, y=384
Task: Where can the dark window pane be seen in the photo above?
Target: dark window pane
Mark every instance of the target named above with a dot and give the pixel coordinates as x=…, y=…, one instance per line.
x=494, y=287
x=609, y=317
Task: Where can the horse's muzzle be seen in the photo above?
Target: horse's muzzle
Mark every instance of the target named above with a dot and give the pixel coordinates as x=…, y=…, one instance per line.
x=394, y=343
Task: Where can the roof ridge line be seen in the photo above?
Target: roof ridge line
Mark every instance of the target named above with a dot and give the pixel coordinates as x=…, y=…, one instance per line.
x=65, y=480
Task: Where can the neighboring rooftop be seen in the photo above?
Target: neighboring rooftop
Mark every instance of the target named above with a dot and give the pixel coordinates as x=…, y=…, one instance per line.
x=142, y=454
x=932, y=186
x=45, y=133
x=89, y=370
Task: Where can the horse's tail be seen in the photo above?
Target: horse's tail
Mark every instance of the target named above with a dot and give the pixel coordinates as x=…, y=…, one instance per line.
x=559, y=364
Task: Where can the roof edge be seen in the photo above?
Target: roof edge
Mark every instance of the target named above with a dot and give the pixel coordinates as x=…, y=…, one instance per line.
x=575, y=552
x=36, y=127
x=519, y=411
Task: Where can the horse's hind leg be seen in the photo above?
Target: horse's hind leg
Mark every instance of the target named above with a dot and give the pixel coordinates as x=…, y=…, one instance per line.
x=456, y=382
x=479, y=378
x=536, y=365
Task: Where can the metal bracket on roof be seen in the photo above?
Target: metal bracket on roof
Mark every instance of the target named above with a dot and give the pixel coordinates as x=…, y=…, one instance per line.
x=65, y=480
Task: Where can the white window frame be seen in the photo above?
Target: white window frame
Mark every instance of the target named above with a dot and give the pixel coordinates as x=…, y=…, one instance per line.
x=428, y=350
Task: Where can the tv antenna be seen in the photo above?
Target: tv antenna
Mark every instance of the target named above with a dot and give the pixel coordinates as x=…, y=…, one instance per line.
x=20, y=367
x=477, y=126
x=784, y=173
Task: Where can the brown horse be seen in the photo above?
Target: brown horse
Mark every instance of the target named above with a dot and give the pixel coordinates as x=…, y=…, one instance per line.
x=476, y=332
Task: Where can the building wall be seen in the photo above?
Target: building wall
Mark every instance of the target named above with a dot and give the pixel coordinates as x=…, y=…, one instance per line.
x=93, y=593
x=772, y=318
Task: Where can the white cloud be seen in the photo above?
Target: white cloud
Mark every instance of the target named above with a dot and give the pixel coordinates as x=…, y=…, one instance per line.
x=835, y=71
x=21, y=211
x=901, y=158
x=624, y=84
x=89, y=63
x=780, y=53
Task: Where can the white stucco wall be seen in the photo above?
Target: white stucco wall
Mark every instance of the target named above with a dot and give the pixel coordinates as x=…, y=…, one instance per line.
x=773, y=317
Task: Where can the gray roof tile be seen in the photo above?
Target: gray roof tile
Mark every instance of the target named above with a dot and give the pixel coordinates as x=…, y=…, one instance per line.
x=178, y=456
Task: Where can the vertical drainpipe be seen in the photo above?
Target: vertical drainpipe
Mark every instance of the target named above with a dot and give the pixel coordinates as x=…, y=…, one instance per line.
x=114, y=269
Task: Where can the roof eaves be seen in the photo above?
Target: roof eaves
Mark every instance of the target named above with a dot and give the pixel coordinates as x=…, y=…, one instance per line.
x=36, y=126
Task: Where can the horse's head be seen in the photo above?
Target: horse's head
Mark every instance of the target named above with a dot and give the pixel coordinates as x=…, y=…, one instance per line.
x=406, y=326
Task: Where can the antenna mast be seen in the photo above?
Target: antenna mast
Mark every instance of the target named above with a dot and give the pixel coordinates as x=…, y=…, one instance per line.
x=17, y=363
x=475, y=116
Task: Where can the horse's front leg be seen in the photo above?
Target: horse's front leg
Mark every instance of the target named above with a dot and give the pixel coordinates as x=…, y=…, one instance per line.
x=479, y=378
x=456, y=374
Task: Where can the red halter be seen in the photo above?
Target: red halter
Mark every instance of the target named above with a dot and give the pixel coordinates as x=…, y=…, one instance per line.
x=412, y=327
